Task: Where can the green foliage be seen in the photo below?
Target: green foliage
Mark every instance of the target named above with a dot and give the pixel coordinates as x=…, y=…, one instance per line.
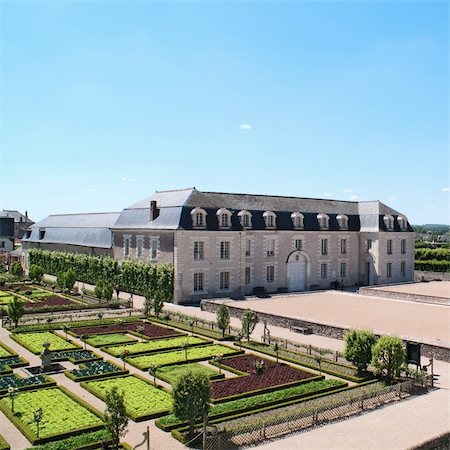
x=388, y=356
x=100, y=340
x=74, y=442
x=249, y=321
x=136, y=277
x=34, y=341
x=104, y=290
x=16, y=269
x=66, y=279
x=116, y=420
x=191, y=395
x=358, y=348
x=432, y=266
x=35, y=272
x=15, y=310
x=158, y=303
x=223, y=318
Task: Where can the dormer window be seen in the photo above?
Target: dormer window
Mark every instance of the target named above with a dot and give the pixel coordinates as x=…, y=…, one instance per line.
x=245, y=218
x=323, y=220
x=198, y=216
x=402, y=222
x=297, y=220
x=270, y=219
x=389, y=222
x=342, y=221
x=41, y=233
x=27, y=234
x=224, y=217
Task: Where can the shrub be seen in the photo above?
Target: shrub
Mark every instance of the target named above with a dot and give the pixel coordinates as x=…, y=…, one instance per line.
x=223, y=318
x=358, y=348
x=16, y=269
x=388, y=356
x=35, y=272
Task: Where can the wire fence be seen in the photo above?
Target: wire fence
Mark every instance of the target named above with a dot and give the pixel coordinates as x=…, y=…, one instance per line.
x=250, y=430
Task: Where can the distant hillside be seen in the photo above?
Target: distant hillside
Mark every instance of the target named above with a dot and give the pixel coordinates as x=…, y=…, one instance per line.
x=431, y=228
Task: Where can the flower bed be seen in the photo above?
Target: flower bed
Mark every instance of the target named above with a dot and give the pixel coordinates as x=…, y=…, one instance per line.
x=272, y=375
x=142, y=400
x=6, y=364
x=100, y=340
x=170, y=374
x=5, y=352
x=62, y=414
x=14, y=381
x=143, y=362
x=75, y=356
x=54, y=300
x=148, y=329
x=155, y=345
x=34, y=341
x=94, y=369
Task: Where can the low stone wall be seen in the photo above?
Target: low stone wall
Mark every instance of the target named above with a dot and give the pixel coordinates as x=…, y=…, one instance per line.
x=395, y=295
x=335, y=332
x=430, y=276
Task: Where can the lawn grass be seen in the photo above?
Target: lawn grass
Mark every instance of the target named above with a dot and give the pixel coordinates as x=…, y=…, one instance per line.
x=61, y=414
x=155, y=345
x=142, y=399
x=100, y=340
x=34, y=341
x=171, y=373
x=179, y=356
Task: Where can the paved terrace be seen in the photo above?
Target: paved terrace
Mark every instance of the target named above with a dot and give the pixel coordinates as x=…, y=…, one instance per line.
x=431, y=289
x=427, y=323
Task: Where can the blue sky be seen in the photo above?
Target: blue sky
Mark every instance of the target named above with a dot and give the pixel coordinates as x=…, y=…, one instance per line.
x=102, y=103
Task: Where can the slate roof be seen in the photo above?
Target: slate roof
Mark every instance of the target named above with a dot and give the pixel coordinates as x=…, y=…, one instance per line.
x=18, y=216
x=87, y=230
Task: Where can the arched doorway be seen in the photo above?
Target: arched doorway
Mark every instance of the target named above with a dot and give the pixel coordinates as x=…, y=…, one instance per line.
x=297, y=271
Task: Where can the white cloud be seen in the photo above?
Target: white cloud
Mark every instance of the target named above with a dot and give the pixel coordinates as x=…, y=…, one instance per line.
x=90, y=190
x=246, y=126
x=327, y=194
x=128, y=180
x=347, y=191
x=392, y=199
x=446, y=189
x=354, y=197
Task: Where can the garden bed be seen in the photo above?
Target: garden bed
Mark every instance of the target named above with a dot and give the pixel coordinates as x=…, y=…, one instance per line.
x=33, y=341
x=101, y=340
x=14, y=381
x=142, y=400
x=5, y=351
x=170, y=374
x=50, y=302
x=272, y=376
x=155, y=345
x=194, y=354
x=7, y=364
x=95, y=370
x=63, y=414
x=75, y=356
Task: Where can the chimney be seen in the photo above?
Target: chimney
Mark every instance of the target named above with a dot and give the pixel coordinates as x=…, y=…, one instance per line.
x=154, y=211
x=26, y=216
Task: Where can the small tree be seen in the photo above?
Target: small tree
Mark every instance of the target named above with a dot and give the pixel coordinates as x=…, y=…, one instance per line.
x=16, y=269
x=15, y=310
x=388, y=356
x=223, y=318
x=69, y=279
x=185, y=346
x=148, y=303
x=36, y=273
x=98, y=289
x=37, y=419
x=191, y=395
x=358, y=348
x=158, y=303
x=83, y=338
x=276, y=349
x=116, y=420
x=249, y=321
x=66, y=328
x=12, y=394
x=153, y=369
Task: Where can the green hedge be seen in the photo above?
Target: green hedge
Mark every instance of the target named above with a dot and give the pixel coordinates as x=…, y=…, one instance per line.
x=136, y=277
x=76, y=442
x=3, y=444
x=432, y=266
x=428, y=254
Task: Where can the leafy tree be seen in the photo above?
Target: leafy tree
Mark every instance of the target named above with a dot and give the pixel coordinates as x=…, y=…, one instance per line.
x=165, y=283
x=388, y=356
x=358, y=348
x=148, y=302
x=191, y=395
x=249, y=321
x=69, y=279
x=16, y=269
x=15, y=310
x=36, y=272
x=116, y=420
x=98, y=289
x=158, y=302
x=153, y=369
x=223, y=318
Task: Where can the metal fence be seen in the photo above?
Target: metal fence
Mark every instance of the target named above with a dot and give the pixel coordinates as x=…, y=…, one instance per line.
x=273, y=424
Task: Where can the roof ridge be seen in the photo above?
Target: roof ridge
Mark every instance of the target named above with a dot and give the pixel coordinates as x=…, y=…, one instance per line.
x=84, y=214
x=176, y=190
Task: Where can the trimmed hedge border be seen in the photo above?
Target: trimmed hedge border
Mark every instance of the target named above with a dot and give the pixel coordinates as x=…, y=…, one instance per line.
x=8, y=349
x=3, y=444
x=23, y=362
x=33, y=387
x=26, y=431
x=16, y=339
x=121, y=371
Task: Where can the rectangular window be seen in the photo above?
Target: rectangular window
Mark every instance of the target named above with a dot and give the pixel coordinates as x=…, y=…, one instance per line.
x=343, y=246
x=389, y=246
x=298, y=244
x=154, y=249
x=126, y=247
x=324, y=271
x=139, y=247
x=270, y=274
x=270, y=247
x=199, y=251
x=224, y=220
x=225, y=250
x=403, y=246
x=224, y=281
x=403, y=268
x=198, y=282
x=343, y=270
x=389, y=270
x=369, y=244
x=248, y=247
x=324, y=246
x=248, y=275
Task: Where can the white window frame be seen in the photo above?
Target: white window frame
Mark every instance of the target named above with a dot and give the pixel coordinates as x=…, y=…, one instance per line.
x=224, y=280
x=245, y=218
x=323, y=220
x=198, y=281
x=270, y=246
x=297, y=220
x=270, y=274
x=298, y=244
x=248, y=247
x=199, y=250
x=198, y=216
x=126, y=245
x=270, y=219
x=369, y=243
x=154, y=248
x=224, y=250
